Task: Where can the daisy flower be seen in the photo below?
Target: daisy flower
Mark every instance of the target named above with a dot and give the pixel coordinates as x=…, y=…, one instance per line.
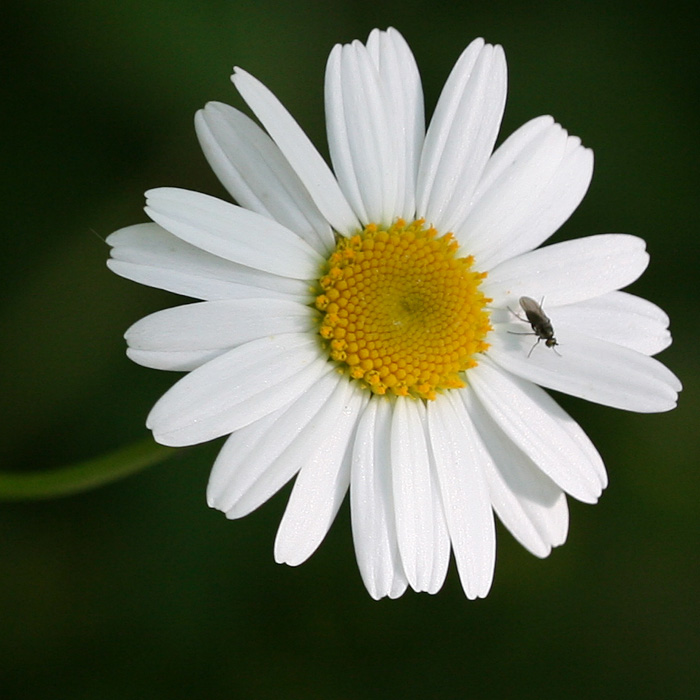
x=362, y=327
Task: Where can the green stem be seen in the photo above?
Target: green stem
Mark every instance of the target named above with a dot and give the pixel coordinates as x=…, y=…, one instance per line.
x=74, y=478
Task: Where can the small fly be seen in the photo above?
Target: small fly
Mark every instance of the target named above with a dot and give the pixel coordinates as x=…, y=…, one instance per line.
x=539, y=322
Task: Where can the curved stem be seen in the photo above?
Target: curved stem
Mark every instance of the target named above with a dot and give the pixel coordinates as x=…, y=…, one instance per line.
x=74, y=478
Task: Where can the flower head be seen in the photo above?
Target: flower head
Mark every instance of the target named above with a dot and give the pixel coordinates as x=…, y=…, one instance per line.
x=377, y=326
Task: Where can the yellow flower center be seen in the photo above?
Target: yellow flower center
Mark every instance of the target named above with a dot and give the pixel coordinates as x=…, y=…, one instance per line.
x=401, y=313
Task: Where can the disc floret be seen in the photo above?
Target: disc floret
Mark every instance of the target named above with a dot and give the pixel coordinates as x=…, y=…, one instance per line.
x=401, y=312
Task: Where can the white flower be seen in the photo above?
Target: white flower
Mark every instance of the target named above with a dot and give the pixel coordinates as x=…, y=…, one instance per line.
x=345, y=339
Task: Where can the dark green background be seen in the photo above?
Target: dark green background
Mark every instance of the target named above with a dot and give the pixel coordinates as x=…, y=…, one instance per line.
x=138, y=590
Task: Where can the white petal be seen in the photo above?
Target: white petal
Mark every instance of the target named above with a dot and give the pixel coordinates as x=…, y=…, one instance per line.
x=173, y=361
x=185, y=337
x=620, y=318
x=373, y=128
x=413, y=493
x=441, y=538
x=372, y=503
x=237, y=388
x=232, y=232
x=577, y=434
x=531, y=186
x=257, y=175
x=461, y=135
x=299, y=152
x=460, y=460
x=257, y=460
x=568, y=272
x=524, y=142
x=244, y=460
x=535, y=423
x=401, y=83
x=320, y=485
x=589, y=368
x=525, y=499
x=399, y=586
x=359, y=137
x=148, y=254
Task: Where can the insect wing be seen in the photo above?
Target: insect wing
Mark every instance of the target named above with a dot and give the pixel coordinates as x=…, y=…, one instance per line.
x=533, y=311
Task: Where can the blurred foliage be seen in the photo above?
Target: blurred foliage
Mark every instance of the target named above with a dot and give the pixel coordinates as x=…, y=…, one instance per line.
x=137, y=590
